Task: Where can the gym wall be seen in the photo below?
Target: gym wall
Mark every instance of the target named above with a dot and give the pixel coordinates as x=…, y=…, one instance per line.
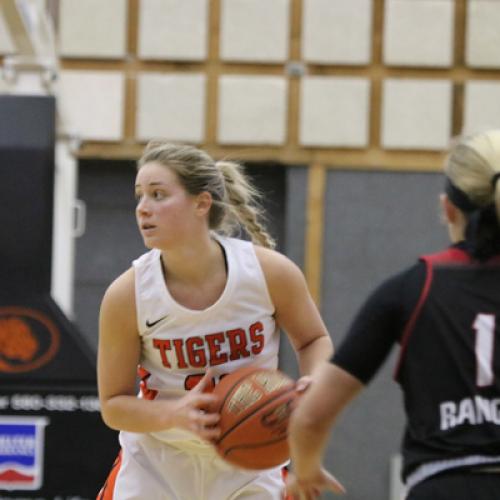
x=356, y=100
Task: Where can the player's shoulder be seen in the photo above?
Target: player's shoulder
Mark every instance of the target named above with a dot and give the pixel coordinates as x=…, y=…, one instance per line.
x=412, y=276
x=276, y=266
x=118, y=314
x=270, y=257
x=121, y=292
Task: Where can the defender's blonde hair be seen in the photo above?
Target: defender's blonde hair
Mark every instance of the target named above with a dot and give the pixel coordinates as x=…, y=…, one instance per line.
x=235, y=200
x=471, y=166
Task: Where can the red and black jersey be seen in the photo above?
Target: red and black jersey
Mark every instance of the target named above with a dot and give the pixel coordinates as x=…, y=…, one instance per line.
x=445, y=312
x=450, y=361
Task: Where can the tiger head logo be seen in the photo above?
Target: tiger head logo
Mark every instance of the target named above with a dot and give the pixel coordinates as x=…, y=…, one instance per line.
x=28, y=339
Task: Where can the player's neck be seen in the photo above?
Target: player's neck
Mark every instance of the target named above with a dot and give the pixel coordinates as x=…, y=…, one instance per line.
x=194, y=263
x=456, y=232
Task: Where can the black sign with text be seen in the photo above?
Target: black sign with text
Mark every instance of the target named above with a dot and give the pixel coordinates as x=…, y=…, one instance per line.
x=53, y=444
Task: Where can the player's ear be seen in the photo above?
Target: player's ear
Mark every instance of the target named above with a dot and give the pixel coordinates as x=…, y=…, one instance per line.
x=203, y=203
x=450, y=212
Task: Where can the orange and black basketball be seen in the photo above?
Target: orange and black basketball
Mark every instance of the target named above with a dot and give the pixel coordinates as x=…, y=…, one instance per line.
x=255, y=405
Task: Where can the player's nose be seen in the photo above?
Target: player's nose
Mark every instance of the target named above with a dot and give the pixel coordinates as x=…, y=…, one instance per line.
x=143, y=206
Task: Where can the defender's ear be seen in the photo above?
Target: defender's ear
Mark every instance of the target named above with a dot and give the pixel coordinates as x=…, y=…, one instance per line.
x=450, y=212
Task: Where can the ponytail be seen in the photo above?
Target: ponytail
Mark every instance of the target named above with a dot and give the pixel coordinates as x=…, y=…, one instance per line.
x=473, y=171
x=242, y=199
x=235, y=202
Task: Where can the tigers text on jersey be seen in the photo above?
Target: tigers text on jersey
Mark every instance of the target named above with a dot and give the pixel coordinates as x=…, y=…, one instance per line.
x=180, y=344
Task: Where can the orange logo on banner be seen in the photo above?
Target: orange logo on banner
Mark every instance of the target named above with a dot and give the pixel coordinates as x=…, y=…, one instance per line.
x=28, y=339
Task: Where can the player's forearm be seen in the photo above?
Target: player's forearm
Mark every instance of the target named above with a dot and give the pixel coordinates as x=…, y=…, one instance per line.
x=311, y=355
x=308, y=440
x=329, y=393
x=129, y=413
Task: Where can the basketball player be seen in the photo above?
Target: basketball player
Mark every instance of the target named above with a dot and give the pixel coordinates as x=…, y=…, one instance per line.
x=197, y=306
x=444, y=311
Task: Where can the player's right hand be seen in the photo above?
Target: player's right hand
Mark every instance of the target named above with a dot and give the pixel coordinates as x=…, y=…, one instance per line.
x=311, y=488
x=192, y=411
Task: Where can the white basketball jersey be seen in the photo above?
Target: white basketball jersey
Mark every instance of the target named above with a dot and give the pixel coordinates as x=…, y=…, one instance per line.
x=179, y=344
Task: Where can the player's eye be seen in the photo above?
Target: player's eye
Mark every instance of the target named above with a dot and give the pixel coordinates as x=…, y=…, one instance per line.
x=158, y=194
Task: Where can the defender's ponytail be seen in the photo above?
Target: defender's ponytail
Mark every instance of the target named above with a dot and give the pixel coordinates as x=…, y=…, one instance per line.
x=473, y=171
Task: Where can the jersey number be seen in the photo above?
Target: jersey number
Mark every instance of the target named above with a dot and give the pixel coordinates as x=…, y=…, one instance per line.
x=484, y=325
x=192, y=380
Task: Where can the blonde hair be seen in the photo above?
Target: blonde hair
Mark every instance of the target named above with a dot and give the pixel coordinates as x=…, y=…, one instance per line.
x=235, y=201
x=473, y=166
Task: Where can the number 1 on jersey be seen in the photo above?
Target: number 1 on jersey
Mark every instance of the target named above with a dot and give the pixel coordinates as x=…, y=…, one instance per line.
x=484, y=324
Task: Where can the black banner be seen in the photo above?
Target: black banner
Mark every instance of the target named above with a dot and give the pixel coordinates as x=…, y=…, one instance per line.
x=53, y=444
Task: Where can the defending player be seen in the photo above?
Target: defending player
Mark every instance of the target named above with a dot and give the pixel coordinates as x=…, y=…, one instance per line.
x=198, y=305
x=445, y=313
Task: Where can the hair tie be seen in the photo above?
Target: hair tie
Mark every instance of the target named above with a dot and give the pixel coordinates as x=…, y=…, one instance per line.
x=459, y=198
x=494, y=179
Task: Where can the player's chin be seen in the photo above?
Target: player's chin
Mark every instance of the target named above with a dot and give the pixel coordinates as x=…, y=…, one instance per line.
x=150, y=242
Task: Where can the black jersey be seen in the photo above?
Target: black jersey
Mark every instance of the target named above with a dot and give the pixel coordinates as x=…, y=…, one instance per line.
x=445, y=313
x=449, y=363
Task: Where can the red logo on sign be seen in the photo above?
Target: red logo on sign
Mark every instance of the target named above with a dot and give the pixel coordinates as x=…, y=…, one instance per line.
x=29, y=339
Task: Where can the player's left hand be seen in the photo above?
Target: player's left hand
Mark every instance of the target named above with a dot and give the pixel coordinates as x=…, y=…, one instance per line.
x=311, y=488
x=303, y=384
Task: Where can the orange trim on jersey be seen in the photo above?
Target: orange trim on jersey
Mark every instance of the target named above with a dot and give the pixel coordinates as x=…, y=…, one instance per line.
x=146, y=392
x=284, y=475
x=107, y=490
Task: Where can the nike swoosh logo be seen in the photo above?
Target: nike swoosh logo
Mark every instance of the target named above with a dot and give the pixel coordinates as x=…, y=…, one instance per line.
x=149, y=324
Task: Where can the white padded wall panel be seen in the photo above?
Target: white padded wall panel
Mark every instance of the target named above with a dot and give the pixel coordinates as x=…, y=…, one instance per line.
x=171, y=106
x=254, y=30
x=334, y=111
x=173, y=29
x=416, y=114
x=252, y=109
x=91, y=103
x=337, y=31
x=482, y=49
x=93, y=28
x=482, y=106
x=419, y=33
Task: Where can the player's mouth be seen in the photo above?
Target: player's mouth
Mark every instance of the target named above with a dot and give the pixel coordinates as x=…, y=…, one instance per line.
x=147, y=228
